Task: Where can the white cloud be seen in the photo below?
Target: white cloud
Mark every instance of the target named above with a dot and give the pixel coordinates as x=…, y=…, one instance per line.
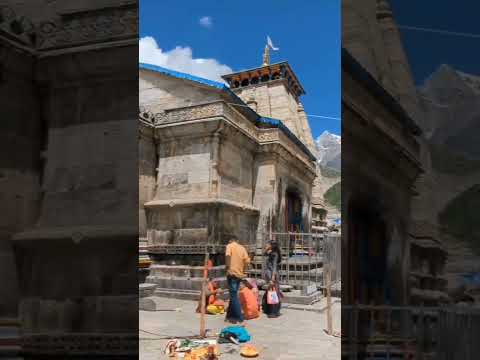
x=180, y=59
x=206, y=21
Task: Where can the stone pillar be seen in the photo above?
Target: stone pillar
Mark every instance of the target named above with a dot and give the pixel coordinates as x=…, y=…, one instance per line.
x=214, y=164
x=147, y=174
x=264, y=195
x=307, y=213
x=307, y=133
x=357, y=34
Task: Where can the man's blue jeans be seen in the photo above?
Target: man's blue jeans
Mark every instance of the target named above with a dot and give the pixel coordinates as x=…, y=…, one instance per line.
x=234, y=311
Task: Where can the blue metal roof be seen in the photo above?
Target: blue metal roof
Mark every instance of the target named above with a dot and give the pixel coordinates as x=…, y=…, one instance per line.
x=181, y=75
x=279, y=124
x=269, y=121
x=244, y=108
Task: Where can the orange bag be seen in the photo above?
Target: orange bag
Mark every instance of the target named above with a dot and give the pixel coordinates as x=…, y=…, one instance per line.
x=249, y=303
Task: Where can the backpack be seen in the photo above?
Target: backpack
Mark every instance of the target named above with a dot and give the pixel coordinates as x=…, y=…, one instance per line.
x=270, y=309
x=238, y=332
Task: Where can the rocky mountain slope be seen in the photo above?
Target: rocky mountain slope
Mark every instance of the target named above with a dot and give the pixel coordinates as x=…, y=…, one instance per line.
x=329, y=151
x=450, y=101
x=328, y=147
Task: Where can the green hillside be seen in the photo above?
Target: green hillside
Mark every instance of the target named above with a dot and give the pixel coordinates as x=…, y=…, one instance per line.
x=461, y=217
x=333, y=196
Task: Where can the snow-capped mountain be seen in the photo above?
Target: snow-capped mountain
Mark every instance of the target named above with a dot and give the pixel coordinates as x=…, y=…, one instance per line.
x=450, y=101
x=329, y=148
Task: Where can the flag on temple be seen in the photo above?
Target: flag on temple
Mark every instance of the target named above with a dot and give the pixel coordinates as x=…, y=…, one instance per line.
x=270, y=44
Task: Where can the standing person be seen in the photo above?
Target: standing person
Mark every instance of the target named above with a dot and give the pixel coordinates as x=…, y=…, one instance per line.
x=236, y=261
x=274, y=257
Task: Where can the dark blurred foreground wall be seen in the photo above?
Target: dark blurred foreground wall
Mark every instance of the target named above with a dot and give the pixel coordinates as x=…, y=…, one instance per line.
x=407, y=151
x=68, y=177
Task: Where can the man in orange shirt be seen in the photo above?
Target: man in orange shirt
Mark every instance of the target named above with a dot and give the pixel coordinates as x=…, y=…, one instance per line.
x=236, y=261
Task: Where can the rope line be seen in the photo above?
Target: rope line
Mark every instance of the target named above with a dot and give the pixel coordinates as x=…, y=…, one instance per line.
x=310, y=115
x=443, y=32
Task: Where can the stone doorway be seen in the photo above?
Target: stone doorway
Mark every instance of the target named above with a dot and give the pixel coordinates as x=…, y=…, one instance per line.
x=293, y=211
x=367, y=251
x=367, y=256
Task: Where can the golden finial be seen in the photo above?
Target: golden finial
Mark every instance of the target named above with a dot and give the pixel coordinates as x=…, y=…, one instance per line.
x=266, y=56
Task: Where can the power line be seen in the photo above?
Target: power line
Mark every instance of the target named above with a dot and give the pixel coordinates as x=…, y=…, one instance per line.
x=309, y=115
x=443, y=32
x=325, y=117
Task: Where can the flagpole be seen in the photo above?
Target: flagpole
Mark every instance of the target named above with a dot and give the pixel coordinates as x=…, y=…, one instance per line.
x=266, y=53
x=266, y=56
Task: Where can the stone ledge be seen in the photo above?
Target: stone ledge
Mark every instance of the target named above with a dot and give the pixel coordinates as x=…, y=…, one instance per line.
x=146, y=289
x=77, y=233
x=289, y=298
x=186, y=271
x=180, y=283
x=92, y=344
x=205, y=202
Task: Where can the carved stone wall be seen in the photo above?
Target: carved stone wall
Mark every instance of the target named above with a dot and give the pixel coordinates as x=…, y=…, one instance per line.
x=68, y=90
x=86, y=229
x=158, y=93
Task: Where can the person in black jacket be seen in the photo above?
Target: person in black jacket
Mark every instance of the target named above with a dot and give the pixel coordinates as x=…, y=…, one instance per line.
x=273, y=258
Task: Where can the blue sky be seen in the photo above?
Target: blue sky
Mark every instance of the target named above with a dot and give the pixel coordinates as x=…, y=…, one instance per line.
x=234, y=35
x=427, y=51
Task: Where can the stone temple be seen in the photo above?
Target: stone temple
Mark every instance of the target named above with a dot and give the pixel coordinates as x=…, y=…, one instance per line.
x=218, y=160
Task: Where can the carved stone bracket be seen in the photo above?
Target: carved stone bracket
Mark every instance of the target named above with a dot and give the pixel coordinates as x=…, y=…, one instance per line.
x=18, y=27
x=89, y=27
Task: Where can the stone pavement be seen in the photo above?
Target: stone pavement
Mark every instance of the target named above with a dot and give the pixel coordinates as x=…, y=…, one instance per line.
x=297, y=334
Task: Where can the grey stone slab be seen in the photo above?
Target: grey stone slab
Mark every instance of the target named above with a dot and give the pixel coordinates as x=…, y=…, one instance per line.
x=146, y=289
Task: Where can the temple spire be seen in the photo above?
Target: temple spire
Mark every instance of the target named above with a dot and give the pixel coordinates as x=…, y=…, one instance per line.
x=266, y=56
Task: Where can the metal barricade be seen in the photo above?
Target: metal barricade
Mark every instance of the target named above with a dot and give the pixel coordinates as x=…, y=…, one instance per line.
x=304, y=257
x=332, y=258
x=409, y=332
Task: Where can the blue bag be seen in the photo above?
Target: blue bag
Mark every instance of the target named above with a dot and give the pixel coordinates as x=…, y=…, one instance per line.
x=239, y=332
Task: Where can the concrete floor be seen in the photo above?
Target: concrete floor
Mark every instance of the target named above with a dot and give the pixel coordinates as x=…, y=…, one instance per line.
x=297, y=334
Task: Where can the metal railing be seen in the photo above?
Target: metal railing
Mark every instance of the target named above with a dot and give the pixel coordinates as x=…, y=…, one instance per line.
x=214, y=243
x=304, y=258
x=407, y=332
x=332, y=257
